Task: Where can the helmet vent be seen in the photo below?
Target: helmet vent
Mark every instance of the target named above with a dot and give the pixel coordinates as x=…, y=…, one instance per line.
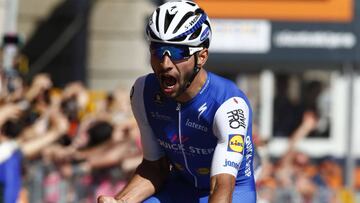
x=195, y=34
x=179, y=39
x=152, y=34
x=190, y=3
x=157, y=19
x=182, y=21
x=168, y=20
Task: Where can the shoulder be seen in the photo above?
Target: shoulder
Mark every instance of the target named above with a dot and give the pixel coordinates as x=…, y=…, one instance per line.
x=223, y=89
x=8, y=149
x=140, y=81
x=145, y=81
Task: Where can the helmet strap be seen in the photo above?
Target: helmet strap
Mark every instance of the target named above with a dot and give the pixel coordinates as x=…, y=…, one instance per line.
x=196, y=70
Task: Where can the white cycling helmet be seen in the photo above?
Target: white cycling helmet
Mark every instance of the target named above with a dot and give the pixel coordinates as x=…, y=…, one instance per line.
x=182, y=23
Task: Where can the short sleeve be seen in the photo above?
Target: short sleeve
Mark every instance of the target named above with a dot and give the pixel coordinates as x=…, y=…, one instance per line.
x=230, y=126
x=151, y=149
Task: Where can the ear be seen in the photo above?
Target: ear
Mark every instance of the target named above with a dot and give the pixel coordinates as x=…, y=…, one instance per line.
x=202, y=57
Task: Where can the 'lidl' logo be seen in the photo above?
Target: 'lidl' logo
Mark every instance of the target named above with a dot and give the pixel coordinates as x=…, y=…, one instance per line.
x=236, y=143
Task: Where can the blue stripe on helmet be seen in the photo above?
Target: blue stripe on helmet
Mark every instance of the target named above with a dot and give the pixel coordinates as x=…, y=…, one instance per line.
x=194, y=28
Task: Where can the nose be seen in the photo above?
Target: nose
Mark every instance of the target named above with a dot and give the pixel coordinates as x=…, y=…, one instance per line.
x=166, y=62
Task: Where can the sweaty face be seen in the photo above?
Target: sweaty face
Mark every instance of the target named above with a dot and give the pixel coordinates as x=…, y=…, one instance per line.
x=173, y=75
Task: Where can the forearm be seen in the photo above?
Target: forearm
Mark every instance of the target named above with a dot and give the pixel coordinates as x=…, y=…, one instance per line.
x=137, y=190
x=148, y=178
x=221, y=188
x=31, y=148
x=220, y=195
x=108, y=158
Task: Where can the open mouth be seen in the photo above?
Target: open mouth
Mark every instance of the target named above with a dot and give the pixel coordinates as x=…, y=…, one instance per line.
x=168, y=83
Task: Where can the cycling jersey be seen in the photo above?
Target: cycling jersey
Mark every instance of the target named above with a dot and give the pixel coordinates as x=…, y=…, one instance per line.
x=206, y=136
x=10, y=172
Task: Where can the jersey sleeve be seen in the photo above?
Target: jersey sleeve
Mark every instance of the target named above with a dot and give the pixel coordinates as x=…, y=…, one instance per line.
x=13, y=178
x=151, y=149
x=230, y=126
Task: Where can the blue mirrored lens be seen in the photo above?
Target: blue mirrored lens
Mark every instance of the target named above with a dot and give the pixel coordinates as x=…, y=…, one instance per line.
x=174, y=52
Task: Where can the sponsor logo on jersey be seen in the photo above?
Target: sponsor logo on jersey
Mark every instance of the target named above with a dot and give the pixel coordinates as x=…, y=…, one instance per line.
x=176, y=139
x=195, y=125
x=201, y=110
x=156, y=115
x=179, y=166
x=248, y=156
x=236, y=119
x=229, y=163
x=236, y=143
x=180, y=148
x=158, y=98
x=203, y=171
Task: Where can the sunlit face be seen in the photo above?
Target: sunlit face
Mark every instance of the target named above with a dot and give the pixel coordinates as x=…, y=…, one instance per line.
x=173, y=72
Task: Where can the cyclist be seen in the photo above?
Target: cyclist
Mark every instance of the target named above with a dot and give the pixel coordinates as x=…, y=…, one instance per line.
x=195, y=126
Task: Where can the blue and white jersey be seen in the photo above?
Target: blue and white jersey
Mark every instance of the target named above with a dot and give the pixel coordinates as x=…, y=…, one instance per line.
x=10, y=171
x=206, y=136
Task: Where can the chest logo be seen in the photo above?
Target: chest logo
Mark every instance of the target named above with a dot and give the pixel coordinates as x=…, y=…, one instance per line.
x=201, y=110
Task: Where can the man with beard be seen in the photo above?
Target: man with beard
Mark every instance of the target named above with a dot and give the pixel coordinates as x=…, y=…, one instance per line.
x=195, y=126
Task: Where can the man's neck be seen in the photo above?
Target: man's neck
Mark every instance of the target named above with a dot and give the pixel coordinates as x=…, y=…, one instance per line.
x=194, y=87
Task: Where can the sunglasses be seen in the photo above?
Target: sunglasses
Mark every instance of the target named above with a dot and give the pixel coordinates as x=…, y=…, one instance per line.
x=175, y=52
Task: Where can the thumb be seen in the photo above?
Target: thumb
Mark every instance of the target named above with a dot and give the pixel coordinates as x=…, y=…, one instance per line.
x=106, y=199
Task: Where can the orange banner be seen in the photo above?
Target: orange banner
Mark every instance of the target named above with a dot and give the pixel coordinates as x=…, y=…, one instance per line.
x=284, y=10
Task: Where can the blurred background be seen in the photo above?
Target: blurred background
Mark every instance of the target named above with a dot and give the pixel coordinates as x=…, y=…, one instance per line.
x=67, y=67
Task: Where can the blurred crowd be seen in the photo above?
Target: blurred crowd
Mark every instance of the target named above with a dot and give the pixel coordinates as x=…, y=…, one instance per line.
x=296, y=178
x=75, y=144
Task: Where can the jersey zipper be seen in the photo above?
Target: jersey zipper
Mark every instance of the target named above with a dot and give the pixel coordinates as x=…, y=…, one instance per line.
x=178, y=108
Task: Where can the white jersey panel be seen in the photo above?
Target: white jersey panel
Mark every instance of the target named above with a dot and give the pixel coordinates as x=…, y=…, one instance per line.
x=230, y=126
x=150, y=146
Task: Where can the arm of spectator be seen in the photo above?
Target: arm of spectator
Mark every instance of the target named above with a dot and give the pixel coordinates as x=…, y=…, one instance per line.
x=307, y=125
x=130, y=163
x=37, y=129
x=32, y=147
x=9, y=111
x=111, y=157
x=77, y=90
x=40, y=83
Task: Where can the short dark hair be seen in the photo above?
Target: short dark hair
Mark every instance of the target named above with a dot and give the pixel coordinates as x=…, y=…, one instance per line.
x=99, y=132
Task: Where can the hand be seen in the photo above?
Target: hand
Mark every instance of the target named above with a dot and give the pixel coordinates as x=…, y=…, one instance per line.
x=60, y=123
x=107, y=199
x=10, y=111
x=309, y=121
x=42, y=81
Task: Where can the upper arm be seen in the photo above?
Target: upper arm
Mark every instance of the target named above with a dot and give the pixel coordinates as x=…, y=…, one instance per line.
x=230, y=125
x=151, y=148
